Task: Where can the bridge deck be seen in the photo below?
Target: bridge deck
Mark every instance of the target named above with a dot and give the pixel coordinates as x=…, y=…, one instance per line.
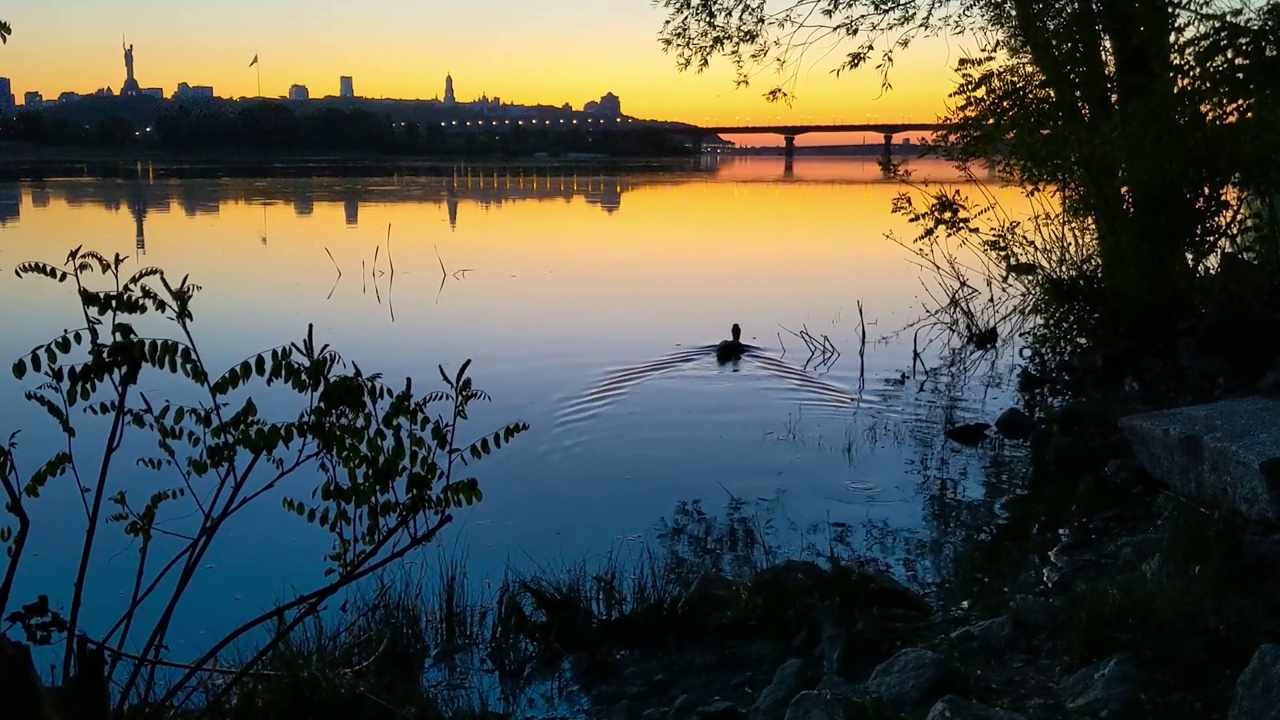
x=880, y=128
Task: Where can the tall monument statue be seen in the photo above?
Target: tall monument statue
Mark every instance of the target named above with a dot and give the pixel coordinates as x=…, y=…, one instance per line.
x=130, y=86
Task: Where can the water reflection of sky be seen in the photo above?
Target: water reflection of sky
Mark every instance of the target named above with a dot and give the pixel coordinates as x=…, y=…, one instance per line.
x=576, y=287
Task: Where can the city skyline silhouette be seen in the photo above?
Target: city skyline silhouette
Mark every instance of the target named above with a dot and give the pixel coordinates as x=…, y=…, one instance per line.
x=536, y=56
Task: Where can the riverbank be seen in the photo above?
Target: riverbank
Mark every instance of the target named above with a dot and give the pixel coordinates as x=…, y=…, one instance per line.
x=26, y=163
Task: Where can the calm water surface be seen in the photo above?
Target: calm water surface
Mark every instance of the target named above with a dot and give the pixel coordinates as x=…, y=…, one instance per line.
x=586, y=302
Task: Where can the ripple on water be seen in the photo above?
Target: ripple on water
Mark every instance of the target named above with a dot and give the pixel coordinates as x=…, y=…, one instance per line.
x=693, y=370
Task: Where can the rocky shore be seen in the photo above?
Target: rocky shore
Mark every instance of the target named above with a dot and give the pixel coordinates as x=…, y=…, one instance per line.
x=1104, y=593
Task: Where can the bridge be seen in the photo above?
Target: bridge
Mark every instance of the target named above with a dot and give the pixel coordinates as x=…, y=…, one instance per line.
x=789, y=132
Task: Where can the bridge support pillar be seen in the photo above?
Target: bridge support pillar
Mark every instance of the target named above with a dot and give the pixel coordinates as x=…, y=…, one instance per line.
x=888, y=144
x=790, y=151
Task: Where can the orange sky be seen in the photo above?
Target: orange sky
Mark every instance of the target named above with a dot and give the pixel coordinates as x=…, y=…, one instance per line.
x=550, y=52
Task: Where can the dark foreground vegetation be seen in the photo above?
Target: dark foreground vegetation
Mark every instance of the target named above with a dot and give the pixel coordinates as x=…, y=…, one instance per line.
x=379, y=468
x=281, y=128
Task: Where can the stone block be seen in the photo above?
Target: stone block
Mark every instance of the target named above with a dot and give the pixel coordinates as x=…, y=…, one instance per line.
x=1224, y=453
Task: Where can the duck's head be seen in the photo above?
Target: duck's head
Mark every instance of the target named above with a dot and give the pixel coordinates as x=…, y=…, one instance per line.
x=737, y=333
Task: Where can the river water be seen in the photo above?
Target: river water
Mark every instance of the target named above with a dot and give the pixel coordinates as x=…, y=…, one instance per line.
x=586, y=302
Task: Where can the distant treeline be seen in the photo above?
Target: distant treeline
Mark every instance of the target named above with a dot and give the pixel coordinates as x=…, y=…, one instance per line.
x=277, y=127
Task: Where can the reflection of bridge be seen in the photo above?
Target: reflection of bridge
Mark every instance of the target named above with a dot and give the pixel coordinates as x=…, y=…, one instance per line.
x=789, y=132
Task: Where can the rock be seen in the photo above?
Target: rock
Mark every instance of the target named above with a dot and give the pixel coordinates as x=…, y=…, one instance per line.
x=656, y=714
x=1106, y=690
x=682, y=708
x=815, y=705
x=773, y=702
x=1032, y=614
x=910, y=678
x=623, y=711
x=971, y=434
x=1015, y=424
x=797, y=577
x=838, y=687
x=711, y=592
x=1258, y=689
x=835, y=639
x=1222, y=453
x=1269, y=385
x=999, y=636
x=810, y=705
x=1137, y=549
x=719, y=710
x=954, y=708
x=1123, y=470
x=833, y=699
x=881, y=590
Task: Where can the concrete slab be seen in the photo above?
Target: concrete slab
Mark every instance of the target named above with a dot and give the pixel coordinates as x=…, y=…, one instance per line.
x=1224, y=453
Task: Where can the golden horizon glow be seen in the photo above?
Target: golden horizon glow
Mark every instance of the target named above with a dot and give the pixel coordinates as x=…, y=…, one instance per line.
x=568, y=51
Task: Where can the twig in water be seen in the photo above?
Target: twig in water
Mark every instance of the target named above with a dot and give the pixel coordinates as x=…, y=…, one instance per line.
x=391, y=284
x=862, y=349
x=444, y=274
x=823, y=350
x=335, y=280
x=390, y=260
x=335, y=262
x=440, y=260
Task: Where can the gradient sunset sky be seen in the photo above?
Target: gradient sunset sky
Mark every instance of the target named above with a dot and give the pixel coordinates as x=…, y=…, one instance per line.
x=554, y=51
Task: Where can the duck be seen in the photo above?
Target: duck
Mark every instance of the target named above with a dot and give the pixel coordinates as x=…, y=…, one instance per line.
x=731, y=350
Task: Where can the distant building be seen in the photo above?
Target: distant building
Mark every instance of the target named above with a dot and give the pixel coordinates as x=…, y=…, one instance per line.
x=68, y=96
x=610, y=105
x=157, y=93
x=104, y=92
x=448, y=89
x=299, y=92
x=345, y=87
x=33, y=100
x=193, y=92
x=7, y=104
